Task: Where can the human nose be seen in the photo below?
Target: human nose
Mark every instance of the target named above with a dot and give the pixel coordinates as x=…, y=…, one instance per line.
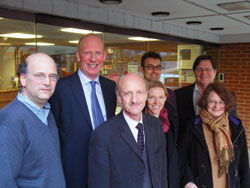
x=134, y=98
x=93, y=57
x=46, y=80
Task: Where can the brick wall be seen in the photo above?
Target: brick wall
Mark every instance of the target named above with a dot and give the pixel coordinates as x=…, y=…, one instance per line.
x=234, y=62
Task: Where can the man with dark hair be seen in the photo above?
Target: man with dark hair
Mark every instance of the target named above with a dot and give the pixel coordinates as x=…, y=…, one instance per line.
x=205, y=69
x=151, y=67
x=82, y=102
x=129, y=150
x=29, y=142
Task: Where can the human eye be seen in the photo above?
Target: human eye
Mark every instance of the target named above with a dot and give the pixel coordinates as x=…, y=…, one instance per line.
x=221, y=103
x=98, y=53
x=211, y=102
x=162, y=97
x=158, y=67
x=208, y=69
x=87, y=53
x=127, y=94
x=53, y=77
x=39, y=76
x=150, y=67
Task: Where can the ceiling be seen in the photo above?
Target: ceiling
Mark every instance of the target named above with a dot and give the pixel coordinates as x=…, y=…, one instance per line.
x=236, y=26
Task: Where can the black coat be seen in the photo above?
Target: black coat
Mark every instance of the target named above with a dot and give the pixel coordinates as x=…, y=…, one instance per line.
x=172, y=154
x=195, y=161
x=185, y=106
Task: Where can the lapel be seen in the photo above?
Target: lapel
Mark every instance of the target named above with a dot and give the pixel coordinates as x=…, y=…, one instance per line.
x=190, y=98
x=197, y=131
x=150, y=138
x=236, y=130
x=80, y=97
x=127, y=135
x=106, y=95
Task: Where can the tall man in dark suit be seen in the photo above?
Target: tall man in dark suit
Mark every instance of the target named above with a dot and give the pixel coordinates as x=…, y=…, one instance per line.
x=205, y=69
x=72, y=105
x=129, y=150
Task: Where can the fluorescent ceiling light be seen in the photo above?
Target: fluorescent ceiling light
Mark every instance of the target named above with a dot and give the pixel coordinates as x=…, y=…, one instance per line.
x=4, y=44
x=21, y=35
x=234, y=6
x=79, y=31
x=1, y=18
x=74, y=41
x=142, y=39
x=39, y=44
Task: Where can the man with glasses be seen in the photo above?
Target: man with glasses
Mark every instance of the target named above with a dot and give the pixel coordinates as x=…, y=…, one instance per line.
x=29, y=142
x=151, y=67
x=205, y=69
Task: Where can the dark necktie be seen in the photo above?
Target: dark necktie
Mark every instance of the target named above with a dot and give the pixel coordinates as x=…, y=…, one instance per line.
x=140, y=137
x=95, y=106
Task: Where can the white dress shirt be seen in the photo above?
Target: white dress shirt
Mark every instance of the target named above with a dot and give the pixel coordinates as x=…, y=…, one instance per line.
x=86, y=85
x=132, y=125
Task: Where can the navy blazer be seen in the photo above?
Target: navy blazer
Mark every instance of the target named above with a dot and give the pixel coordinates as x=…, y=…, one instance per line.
x=73, y=120
x=114, y=158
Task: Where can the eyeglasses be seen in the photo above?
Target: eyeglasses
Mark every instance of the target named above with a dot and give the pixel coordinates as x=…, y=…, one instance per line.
x=42, y=76
x=205, y=70
x=220, y=103
x=151, y=67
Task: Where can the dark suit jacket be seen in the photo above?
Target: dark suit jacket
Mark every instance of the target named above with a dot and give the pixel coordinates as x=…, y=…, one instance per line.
x=185, y=106
x=73, y=120
x=114, y=158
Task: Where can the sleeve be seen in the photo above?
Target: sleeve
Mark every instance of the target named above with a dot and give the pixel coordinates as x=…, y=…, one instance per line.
x=99, y=164
x=183, y=151
x=11, y=156
x=164, y=175
x=244, y=171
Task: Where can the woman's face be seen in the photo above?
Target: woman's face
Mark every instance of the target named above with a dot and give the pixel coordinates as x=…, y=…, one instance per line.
x=156, y=100
x=215, y=106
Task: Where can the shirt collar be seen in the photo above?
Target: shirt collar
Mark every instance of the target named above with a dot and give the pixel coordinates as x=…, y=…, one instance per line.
x=196, y=89
x=132, y=123
x=30, y=104
x=84, y=79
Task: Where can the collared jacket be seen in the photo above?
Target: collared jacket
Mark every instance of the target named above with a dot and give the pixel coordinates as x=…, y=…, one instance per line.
x=195, y=161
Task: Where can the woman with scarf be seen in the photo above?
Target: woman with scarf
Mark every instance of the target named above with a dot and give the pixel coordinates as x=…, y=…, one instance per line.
x=157, y=95
x=214, y=149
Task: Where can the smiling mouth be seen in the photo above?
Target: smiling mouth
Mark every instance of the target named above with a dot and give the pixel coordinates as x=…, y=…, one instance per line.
x=92, y=65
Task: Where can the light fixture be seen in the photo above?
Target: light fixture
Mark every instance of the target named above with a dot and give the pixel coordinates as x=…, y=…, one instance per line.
x=111, y=2
x=142, y=39
x=1, y=18
x=194, y=23
x=160, y=14
x=4, y=44
x=216, y=28
x=234, y=6
x=21, y=35
x=39, y=44
x=79, y=31
x=74, y=41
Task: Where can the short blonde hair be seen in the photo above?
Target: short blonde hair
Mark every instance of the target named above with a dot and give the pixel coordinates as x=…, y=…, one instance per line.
x=156, y=83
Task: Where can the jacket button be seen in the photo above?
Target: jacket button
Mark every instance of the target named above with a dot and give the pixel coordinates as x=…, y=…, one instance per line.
x=204, y=168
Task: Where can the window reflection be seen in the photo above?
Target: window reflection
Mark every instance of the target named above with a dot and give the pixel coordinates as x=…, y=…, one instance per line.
x=123, y=55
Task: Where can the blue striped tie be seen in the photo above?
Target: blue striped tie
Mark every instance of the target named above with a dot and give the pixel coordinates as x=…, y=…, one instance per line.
x=95, y=106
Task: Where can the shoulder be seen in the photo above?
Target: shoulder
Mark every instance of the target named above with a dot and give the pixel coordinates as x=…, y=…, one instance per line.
x=234, y=120
x=185, y=89
x=67, y=80
x=107, y=81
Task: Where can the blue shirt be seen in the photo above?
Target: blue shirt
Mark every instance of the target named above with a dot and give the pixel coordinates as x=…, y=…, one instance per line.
x=41, y=113
x=86, y=85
